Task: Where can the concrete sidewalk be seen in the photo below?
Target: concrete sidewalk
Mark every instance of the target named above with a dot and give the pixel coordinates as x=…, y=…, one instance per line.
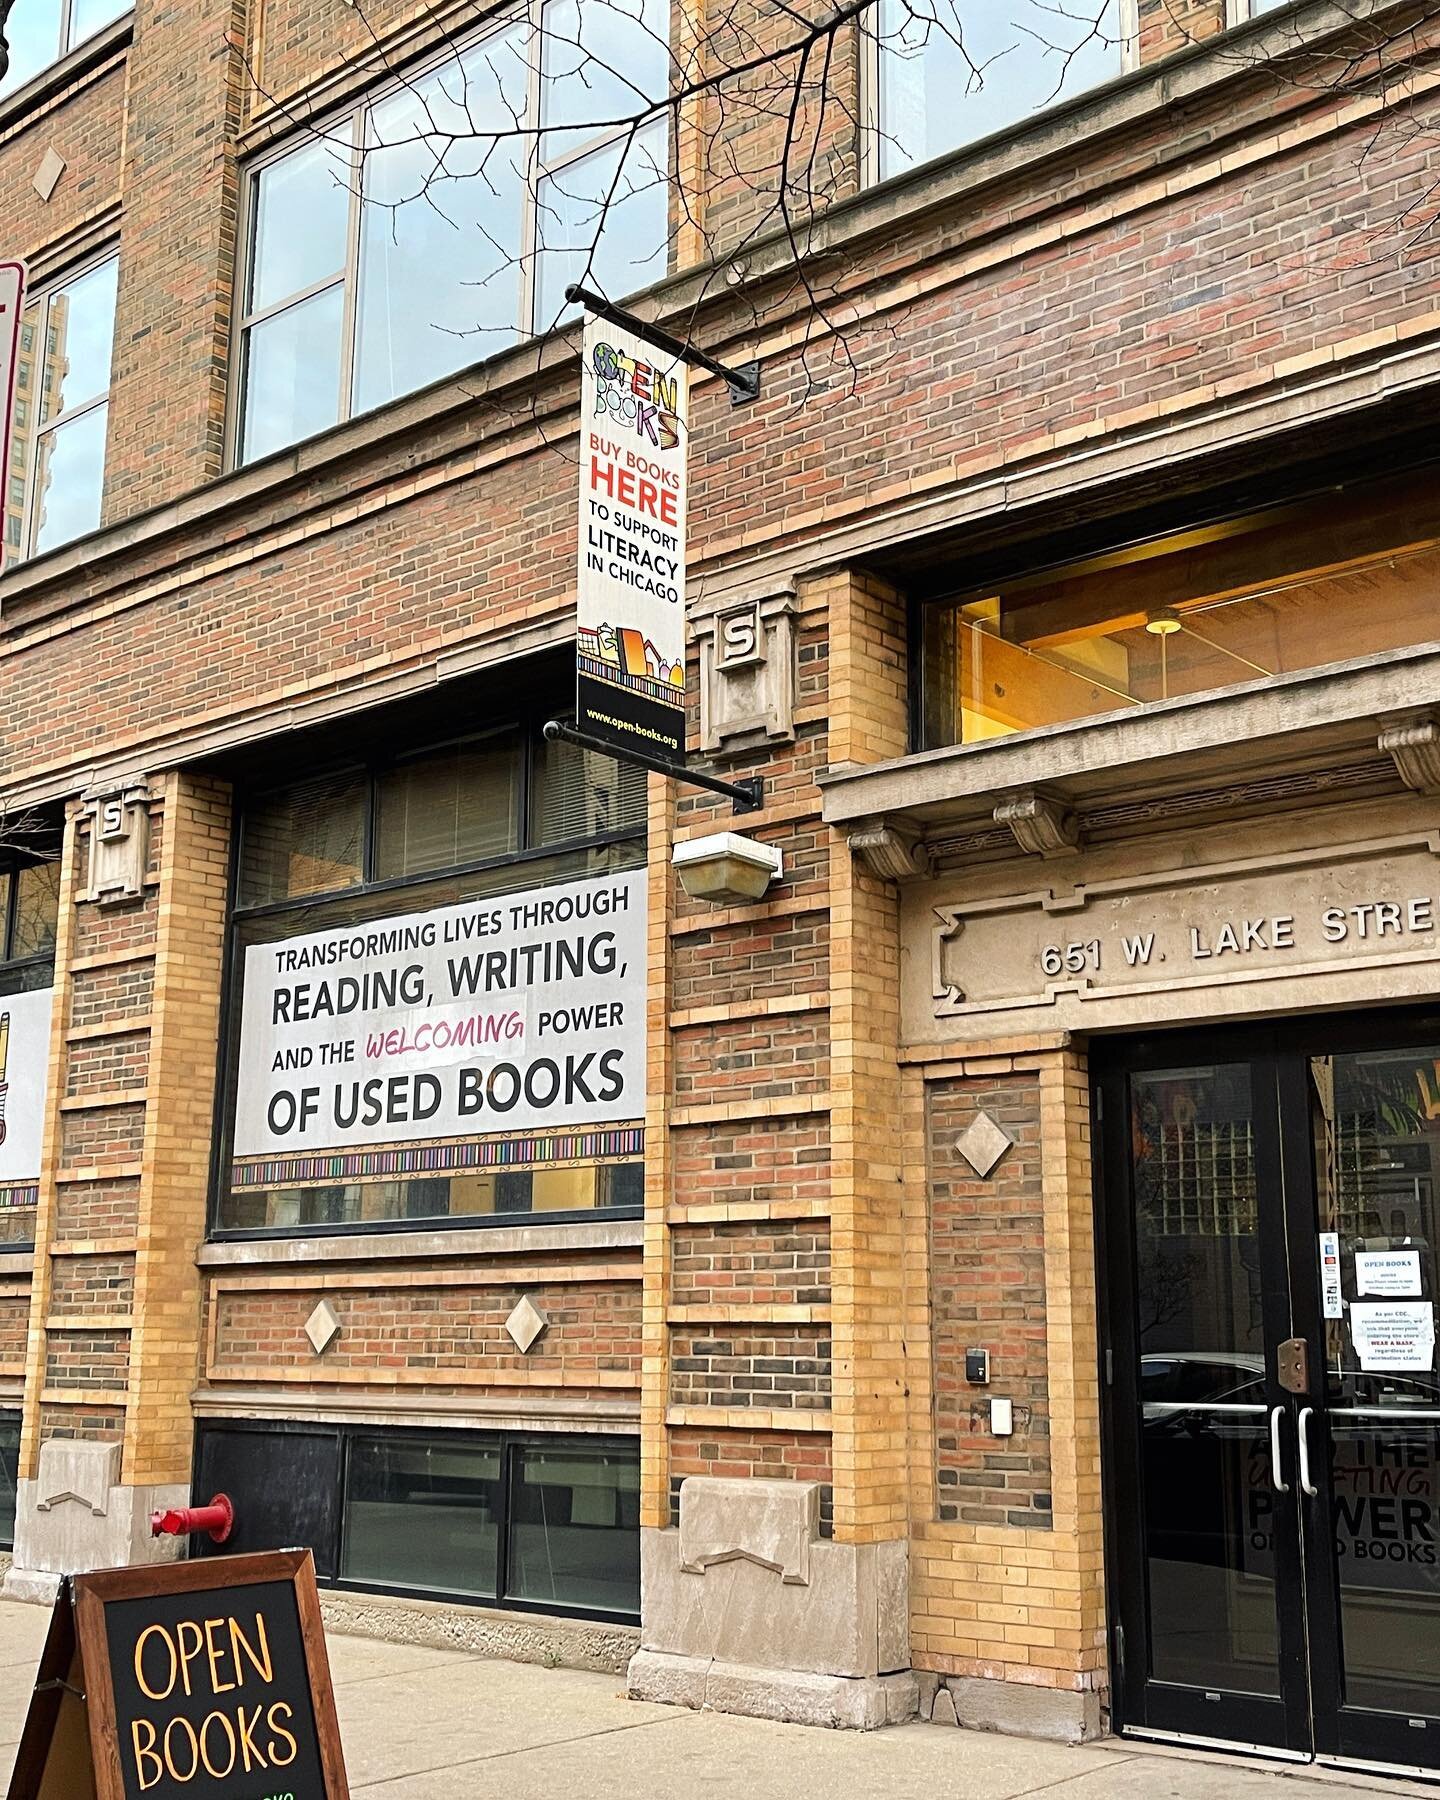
x=441, y=1725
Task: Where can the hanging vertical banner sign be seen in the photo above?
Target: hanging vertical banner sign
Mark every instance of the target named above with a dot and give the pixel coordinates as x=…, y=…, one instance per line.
x=630, y=648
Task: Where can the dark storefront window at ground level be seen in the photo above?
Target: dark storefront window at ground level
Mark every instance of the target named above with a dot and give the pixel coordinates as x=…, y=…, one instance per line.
x=9, y=1475
x=542, y=1522
x=490, y=815
x=29, y=917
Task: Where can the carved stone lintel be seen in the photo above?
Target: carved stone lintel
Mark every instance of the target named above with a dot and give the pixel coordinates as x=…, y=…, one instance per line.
x=1041, y=826
x=1414, y=745
x=890, y=849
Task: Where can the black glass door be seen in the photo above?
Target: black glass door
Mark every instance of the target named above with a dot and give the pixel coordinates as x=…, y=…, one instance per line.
x=1272, y=1398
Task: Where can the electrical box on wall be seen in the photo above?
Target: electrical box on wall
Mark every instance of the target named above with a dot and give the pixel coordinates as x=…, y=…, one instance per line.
x=977, y=1367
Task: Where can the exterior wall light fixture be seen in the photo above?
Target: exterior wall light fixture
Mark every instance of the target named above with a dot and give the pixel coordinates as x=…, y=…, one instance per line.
x=727, y=869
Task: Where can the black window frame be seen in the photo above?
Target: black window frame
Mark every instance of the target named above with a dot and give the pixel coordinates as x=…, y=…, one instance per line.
x=510, y=1444
x=528, y=721
x=11, y=1418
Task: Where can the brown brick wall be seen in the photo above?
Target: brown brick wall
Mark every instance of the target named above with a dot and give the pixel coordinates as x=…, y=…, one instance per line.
x=987, y=1260
x=86, y=127
x=92, y=1284
x=103, y=996
x=741, y=1455
x=99, y=1209
x=776, y=1160
x=751, y=1264
x=85, y=1360
x=1167, y=25
x=755, y=1059
x=111, y=1134
x=87, y=1423
x=102, y=931
x=14, y=1322
x=767, y=1366
x=107, y=1065
x=593, y=1333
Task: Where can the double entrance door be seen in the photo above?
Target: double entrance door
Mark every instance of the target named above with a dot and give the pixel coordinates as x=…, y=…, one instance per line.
x=1271, y=1223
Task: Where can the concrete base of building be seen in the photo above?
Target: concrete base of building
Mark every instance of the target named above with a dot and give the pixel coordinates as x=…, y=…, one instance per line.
x=851, y=1703
x=75, y=1518
x=543, y=1638
x=1014, y=1708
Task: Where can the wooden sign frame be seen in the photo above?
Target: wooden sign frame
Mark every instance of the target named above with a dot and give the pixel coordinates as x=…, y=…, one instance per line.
x=75, y=1669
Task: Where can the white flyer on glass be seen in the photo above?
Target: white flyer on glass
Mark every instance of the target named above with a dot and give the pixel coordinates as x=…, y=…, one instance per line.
x=1334, y=1307
x=1394, y=1274
x=1393, y=1337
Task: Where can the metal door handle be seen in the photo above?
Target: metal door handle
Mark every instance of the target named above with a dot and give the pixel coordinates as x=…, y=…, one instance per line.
x=1277, y=1480
x=1302, y=1430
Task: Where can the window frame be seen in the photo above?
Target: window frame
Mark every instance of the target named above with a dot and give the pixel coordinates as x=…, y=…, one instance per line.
x=351, y=121
x=11, y=863
x=69, y=44
x=11, y=1417
x=1242, y=12
x=528, y=722
x=511, y=1444
x=38, y=300
x=872, y=83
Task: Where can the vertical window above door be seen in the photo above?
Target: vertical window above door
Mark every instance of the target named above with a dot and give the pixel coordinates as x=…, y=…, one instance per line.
x=439, y=222
x=944, y=75
x=62, y=411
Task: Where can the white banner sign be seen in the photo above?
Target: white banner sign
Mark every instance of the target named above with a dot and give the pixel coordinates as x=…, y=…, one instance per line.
x=525, y=1012
x=24, y=1072
x=630, y=647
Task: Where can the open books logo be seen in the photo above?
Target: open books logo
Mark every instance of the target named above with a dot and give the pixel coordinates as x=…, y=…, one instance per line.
x=4, y=1069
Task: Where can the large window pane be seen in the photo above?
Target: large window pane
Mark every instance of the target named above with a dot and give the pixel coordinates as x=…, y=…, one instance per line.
x=461, y=806
x=79, y=334
x=603, y=224
x=292, y=388
x=581, y=793
x=423, y=1513
x=302, y=211
x=88, y=16
x=33, y=33
x=574, y=1527
x=9, y=1475
x=69, y=478
x=604, y=61
x=37, y=908
x=307, y=840
x=950, y=73
x=440, y=234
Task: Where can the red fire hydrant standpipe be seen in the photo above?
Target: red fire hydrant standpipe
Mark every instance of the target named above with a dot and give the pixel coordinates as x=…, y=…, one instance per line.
x=217, y=1520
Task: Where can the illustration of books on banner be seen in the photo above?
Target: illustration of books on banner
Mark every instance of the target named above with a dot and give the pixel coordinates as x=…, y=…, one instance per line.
x=627, y=657
x=4, y=1066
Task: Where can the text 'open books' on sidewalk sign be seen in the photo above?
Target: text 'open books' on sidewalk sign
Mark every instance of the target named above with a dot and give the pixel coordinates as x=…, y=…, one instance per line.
x=630, y=650
x=206, y=1679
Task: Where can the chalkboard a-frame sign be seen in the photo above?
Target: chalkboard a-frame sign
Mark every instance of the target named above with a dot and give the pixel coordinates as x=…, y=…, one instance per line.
x=199, y=1680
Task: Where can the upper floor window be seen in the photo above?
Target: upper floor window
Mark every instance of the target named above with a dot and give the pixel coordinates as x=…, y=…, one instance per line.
x=62, y=410
x=948, y=76
x=372, y=853
x=441, y=221
x=40, y=32
x=1229, y=601
x=1237, y=11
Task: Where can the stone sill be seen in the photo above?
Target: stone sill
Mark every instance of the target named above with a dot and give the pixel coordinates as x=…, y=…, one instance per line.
x=549, y=1639
x=17, y=1262
x=479, y=1242
x=1315, y=718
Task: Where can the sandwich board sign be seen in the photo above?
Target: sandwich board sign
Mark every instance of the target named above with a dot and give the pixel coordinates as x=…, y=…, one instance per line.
x=203, y=1680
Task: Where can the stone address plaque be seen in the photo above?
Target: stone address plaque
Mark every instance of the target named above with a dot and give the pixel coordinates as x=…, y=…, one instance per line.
x=1371, y=906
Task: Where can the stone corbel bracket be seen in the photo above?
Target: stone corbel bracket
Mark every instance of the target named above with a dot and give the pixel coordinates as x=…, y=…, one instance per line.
x=1413, y=744
x=119, y=821
x=74, y=1470
x=1040, y=825
x=747, y=666
x=890, y=848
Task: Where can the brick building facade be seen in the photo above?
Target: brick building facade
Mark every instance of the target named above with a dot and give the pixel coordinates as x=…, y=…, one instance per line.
x=1066, y=584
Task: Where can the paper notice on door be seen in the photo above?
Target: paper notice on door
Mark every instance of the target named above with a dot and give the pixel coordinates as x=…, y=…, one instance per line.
x=1330, y=1274
x=1393, y=1273
x=1393, y=1337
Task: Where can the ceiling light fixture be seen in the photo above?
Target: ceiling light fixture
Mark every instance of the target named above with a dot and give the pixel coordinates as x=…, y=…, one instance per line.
x=1163, y=623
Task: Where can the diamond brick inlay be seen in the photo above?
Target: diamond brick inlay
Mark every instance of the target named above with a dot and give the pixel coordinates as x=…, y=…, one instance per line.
x=322, y=1327
x=983, y=1142
x=525, y=1324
